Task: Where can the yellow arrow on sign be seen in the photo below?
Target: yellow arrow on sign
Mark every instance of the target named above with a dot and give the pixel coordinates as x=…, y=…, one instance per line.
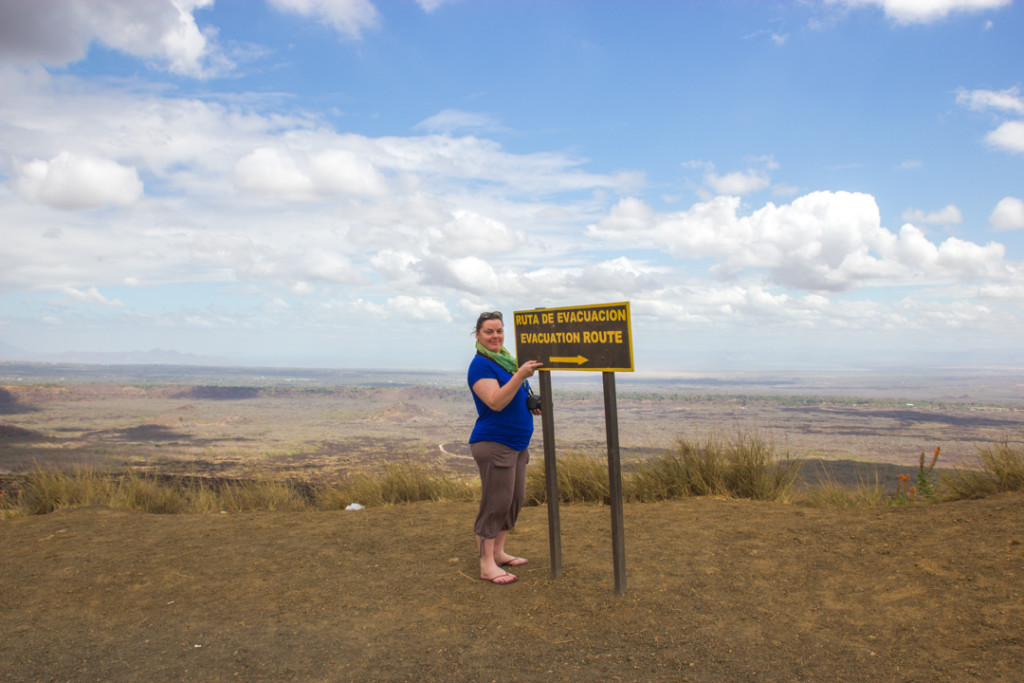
x=578, y=360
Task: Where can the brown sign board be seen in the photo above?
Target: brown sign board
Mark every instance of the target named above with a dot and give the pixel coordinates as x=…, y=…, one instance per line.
x=597, y=337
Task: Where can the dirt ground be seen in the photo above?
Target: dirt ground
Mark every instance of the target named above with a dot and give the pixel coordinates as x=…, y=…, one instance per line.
x=717, y=590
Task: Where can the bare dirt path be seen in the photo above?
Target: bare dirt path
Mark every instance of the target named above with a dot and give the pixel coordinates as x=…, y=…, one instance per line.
x=718, y=590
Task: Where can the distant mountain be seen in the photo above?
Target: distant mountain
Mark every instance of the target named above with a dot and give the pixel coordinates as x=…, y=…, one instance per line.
x=151, y=357
x=8, y=352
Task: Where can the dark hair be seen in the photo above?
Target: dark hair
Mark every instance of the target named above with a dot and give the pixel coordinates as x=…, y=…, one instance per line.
x=484, y=317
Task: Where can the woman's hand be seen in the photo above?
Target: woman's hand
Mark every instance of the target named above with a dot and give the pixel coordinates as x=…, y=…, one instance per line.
x=528, y=368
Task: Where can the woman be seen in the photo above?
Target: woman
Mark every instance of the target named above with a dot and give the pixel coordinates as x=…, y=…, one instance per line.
x=499, y=443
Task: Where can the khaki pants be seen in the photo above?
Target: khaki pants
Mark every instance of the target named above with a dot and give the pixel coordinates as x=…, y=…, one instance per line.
x=503, y=479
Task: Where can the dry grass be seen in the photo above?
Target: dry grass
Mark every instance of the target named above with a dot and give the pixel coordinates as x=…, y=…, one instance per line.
x=48, y=490
x=405, y=482
x=829, y=493
x=998, y=467
x=582, y=478
x=142, y=492
x=745, y=466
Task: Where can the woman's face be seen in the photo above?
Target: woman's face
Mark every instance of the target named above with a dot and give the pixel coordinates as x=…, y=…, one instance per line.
x=491, y=335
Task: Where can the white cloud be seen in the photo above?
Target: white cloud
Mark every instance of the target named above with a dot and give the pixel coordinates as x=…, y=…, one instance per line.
x=777, y=38
x=395, y=266
x=72, y=182
x=188, y=145
x=970, y=261
x=90, y=296
x=297, y=176
x=450, y=121
x=615, y=278
x=273, y=171
x=739, y=182
x=1008, y=214
x=821, y=242
x=1008, y=136
x=344, y=171
x=619, y=277
x=469, y=233
x=629, y=215
x=419, y=308
x=469, y=274
x=431, y=5
x=924, y=11
x=948, y=215
x=210, y=149
x=59, y=32
x=980, y=100
x=348, y=17
x=325, y=266
x=242, y=196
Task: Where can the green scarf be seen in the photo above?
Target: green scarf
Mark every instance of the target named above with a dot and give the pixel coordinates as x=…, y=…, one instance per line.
x=505, y=359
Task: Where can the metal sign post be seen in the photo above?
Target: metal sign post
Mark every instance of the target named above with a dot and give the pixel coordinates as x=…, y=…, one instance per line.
x=587, y=338
x=611, y=418
x=547, y=421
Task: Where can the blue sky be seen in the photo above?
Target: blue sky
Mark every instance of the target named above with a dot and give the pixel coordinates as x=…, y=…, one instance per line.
x=346, y=183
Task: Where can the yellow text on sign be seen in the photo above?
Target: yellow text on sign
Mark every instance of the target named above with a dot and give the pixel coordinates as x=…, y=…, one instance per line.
x=586, y=337
x=568, y=317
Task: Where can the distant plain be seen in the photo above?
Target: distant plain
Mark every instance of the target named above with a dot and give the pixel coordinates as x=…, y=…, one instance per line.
x=321, y=424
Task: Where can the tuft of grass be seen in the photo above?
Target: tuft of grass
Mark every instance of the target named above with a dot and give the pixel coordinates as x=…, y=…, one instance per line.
x=145, y=493
x=536, y=493
x=405, y=482
x=10, y=504
x=999, y=468
x=250, y=496
x=582, y=478
x=1005, y=461
x=705, y=465
x=754, y=471
x=49, y=490
x=967, y=484
x=829, y=493
x=661, y=478
x=745, y=466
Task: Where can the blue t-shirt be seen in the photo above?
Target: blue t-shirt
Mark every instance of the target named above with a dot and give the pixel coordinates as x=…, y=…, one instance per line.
x=513, y=425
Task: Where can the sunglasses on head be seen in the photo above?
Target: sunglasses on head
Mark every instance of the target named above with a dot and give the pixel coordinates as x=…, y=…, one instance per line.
x=493, y=315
